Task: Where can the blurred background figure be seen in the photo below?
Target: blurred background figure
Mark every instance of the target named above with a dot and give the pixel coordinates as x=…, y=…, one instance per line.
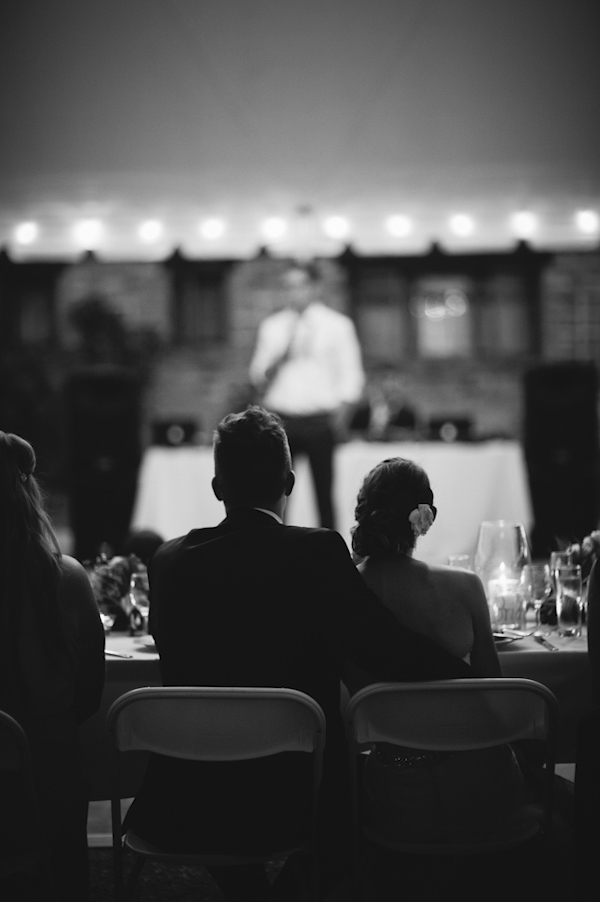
x=307, y=367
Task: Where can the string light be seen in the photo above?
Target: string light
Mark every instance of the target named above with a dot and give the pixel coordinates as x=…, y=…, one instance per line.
x=399, y=226
x=336, y=227
x=212, y=229
x=524, y=223
x=26, y=232
x=150, y=230
x=88, y=233
x=273, y=228
x=587, y=221
x=461, y=224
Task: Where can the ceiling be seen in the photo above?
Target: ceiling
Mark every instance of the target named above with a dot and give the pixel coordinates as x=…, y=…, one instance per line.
x=199, y=121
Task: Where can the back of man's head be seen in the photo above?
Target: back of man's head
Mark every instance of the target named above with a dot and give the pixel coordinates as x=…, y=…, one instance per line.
x=252, y=458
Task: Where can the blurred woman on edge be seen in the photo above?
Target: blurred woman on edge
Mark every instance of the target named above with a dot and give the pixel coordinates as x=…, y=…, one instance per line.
x=51, y=663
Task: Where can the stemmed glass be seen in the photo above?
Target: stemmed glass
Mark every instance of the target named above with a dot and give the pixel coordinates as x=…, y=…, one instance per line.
x=502, y=549
x=536, y=586
x=502, y=552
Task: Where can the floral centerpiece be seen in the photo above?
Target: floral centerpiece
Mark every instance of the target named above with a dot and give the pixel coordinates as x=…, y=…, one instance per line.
x=586, y=552
x=111, y=580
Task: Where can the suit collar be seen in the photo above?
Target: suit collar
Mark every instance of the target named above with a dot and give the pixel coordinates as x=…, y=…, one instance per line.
x=249, y=516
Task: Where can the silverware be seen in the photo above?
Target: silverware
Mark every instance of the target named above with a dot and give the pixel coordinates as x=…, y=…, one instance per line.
x=116, y=654
x=516, y=634
x=545, y=643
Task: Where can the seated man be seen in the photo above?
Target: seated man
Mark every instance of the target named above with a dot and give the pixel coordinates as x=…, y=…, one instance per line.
x=251, y=602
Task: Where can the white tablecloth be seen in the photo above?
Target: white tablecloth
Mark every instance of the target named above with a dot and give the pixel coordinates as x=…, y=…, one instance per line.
x=471, y=483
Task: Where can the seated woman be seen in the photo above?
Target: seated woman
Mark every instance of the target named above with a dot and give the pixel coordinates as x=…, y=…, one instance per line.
x=417, y=795
x=51, y=664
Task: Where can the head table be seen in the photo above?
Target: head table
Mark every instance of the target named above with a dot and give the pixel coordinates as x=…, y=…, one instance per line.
x=565, y=672
x=472, y=482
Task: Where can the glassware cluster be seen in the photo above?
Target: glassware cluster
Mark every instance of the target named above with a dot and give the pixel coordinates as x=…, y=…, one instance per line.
x=514, y=584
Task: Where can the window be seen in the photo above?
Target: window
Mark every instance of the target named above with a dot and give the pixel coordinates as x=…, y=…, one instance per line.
x=441, y=307
x=503, y=320
x=380, y=316
x=200, y=310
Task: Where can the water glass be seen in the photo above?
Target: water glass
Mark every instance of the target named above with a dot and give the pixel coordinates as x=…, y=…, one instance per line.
x=560, y=559
x=535, y=586
x=138, y=598
x=568, y=600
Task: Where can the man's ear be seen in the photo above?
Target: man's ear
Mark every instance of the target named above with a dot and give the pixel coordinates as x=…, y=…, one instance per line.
x=290, y=481
x=217, y=489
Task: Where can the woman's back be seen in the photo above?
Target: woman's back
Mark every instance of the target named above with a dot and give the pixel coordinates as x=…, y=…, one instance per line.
x=447, y=605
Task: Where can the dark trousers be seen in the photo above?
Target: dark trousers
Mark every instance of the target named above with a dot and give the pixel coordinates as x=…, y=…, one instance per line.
x=315, y=436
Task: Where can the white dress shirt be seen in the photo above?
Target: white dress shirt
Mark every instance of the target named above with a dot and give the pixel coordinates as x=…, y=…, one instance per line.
x=323, y=369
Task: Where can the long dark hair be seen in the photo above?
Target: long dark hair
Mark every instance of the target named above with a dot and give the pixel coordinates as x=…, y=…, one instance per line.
x=29, y=555
x=389, y=493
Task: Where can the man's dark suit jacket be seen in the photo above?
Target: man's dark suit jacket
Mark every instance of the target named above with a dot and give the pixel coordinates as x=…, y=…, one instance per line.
x=251, y=602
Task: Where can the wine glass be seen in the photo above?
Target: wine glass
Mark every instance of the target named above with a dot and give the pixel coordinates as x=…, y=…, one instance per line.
x=536, y=586
x=502, y=551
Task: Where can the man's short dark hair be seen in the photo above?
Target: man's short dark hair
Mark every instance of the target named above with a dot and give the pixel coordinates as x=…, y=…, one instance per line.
x=252, y=457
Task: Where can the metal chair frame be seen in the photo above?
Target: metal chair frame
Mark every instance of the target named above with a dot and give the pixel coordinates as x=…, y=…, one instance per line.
x=451, y=715
x=15, y=756
x=211, y=724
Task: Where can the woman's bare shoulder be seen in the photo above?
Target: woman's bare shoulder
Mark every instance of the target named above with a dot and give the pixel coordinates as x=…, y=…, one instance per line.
x=455, y=579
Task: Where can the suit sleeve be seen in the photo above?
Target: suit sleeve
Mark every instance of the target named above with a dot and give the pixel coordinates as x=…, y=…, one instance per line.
x=374, y=640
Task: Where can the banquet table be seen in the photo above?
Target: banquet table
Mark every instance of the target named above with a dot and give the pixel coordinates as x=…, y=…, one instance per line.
x=472, y=482
x=565, y=672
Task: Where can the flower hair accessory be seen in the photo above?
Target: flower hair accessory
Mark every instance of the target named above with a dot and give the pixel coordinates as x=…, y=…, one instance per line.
x=421, y=519
x=23, y=476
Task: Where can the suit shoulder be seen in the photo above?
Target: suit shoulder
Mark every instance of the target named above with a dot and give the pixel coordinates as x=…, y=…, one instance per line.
x=318, y=536
x=172, y=546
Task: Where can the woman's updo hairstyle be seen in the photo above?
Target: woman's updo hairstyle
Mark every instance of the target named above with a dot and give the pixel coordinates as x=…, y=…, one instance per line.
x=389, y=494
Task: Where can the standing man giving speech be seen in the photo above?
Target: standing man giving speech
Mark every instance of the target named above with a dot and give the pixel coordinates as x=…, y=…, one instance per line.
x=307, y=366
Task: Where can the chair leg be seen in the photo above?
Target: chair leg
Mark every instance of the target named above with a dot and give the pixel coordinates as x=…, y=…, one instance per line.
x=132, y=879
x=118, y=871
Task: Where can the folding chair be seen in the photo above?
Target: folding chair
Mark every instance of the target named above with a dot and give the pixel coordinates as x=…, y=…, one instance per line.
x=22, y=850
x=454, y=716
x=212, y=724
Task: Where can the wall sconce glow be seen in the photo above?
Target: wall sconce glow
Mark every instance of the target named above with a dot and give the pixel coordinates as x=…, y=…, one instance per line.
x=150, y=230
x=26, y=232
x=524, y=224
x=399, y=226
x=587, y=221
x=336, y=227
x=212, y=229
x=461, y=224
x=88, y=233
x=274, y=228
